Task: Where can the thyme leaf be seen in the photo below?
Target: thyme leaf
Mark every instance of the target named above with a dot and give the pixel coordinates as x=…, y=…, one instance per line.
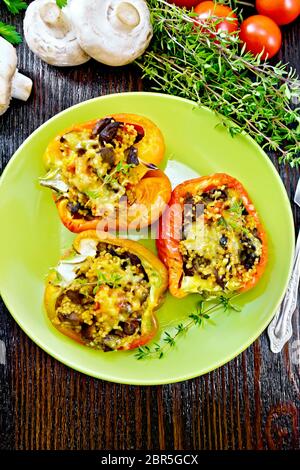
x=112, y=281
x=197, y=318
x=121, y=167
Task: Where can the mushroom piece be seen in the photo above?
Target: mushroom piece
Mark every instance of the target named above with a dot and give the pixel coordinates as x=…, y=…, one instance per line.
x=50, y=35
x=12, y=83
x=114, y=32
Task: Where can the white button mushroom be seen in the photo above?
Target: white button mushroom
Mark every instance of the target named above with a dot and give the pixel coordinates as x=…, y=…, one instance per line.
x=12, y=83
x=114, y=32
x=50, y=35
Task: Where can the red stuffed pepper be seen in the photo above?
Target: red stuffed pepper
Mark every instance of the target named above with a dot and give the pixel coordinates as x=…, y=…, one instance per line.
x=211, y=238
x=105, y=171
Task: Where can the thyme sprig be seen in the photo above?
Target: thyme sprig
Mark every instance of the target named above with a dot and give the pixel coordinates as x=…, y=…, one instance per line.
x=231, y=218
x=197, y=318
x=112, y=281
x=248, y=94
x=121, y=167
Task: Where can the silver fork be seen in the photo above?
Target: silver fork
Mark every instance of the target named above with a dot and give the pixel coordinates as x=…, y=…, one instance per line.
x=280, y=329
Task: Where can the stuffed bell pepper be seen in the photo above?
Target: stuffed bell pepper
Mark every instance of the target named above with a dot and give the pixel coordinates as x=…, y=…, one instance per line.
x=104, y=292
x=105, y=171
x=211, y=238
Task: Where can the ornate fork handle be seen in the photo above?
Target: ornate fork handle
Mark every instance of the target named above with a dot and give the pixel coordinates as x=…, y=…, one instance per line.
x=280, y=329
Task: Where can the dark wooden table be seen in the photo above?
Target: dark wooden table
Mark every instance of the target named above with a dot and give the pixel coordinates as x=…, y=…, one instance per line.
x=250, y=403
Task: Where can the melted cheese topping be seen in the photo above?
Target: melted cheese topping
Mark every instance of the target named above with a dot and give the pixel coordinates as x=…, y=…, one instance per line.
x=96, y=173
x=220, y=248
x=107, y=296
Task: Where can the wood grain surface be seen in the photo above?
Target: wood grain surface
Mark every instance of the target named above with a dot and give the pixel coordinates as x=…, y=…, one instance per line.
x=250, y=403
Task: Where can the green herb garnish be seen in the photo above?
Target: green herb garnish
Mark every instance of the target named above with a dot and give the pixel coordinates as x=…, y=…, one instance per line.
x=237, y=207
x=15, y=6
x=121, y=167
x=92, y=194
x=61, y=3
x=231, y=217
x=112, y=281
x=10, y=33
x=197, y=318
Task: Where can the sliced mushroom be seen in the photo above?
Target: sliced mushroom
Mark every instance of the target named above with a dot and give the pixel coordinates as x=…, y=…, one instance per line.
x=12, y=83
x=50, y=35
x=114, y=32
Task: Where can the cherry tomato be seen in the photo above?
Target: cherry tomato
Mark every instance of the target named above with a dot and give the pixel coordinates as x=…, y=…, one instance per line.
x=260, y=33
x=281, y=11
x=210, y=10
x=184, y=3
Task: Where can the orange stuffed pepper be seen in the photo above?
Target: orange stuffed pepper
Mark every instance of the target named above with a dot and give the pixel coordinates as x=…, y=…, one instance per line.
x=211, y=238
x=106, y=171
x=104, y=292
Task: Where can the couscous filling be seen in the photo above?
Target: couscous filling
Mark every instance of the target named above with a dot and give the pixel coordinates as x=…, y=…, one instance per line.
x=97, y=167
x=106, y=301
x=220, y=245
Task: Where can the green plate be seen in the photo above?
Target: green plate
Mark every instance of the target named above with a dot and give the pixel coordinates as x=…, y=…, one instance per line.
x=32, y=239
